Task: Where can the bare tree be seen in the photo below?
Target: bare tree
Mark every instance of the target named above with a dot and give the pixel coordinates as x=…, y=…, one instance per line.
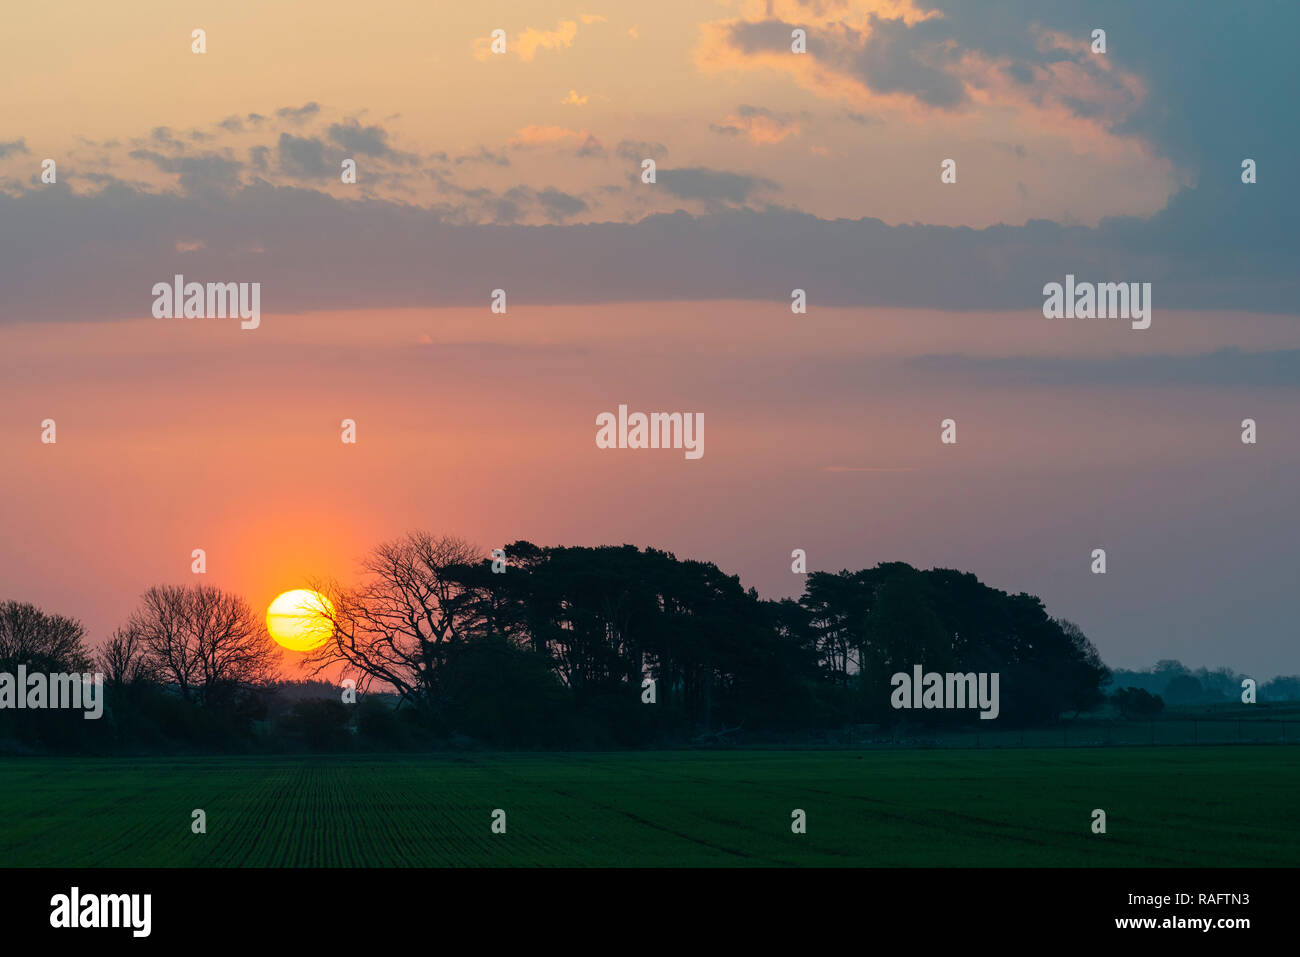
x=123, y=660
x=30, y=636
x=204, y=640
x=394, y=627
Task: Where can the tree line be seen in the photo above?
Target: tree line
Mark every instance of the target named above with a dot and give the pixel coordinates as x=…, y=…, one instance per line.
x=554, y=647
x=1177, y=685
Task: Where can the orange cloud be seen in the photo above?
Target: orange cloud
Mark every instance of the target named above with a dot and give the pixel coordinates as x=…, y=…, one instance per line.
x=761, y=127
x=806, y=12
x=526, y=43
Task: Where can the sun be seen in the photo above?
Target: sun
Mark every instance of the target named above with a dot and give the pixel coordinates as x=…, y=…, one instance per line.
x=294, y=619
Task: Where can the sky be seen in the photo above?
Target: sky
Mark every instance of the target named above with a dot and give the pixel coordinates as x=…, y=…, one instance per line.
x=522, y=171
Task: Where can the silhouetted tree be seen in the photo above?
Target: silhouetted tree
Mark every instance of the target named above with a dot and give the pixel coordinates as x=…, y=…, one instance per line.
x=124, y=660
x=607, y=618
x=395, y=627
x=501, y=693
x=1183, y=689
x=45, y=643
x=1281, y=688
x=1083, y=672
x=42, y=641
x=1136, y=703
x=205, y=641
x=322, y=722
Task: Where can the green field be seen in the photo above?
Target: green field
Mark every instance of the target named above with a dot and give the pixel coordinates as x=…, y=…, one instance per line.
x=1226, y=806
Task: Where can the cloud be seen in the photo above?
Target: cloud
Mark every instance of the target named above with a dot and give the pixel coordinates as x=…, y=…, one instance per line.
x=507, y=211
x=557, y=204
x=637, y=150
x=301, y=156
x=1218, y=244
x=163, y=136
x=258, y=157
x=530, y=41
x=305, y=154
x=914, y=59
x=709, y=184
x=483, y=155
x=433, y=180
x=11, y=147
x=363, y=140
x=391, y=173
x=573, y=99
x=207, y=171
x=527, y=42
x=298, y=114
x=759, y=124
x=560, y=204
x=1206, y=252
x=862, y=51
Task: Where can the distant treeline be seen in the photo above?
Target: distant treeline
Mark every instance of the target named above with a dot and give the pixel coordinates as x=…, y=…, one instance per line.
x=1177, y=685
x=574, y=647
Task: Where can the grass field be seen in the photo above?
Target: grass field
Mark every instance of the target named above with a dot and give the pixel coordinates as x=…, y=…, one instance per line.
x=1226, y=806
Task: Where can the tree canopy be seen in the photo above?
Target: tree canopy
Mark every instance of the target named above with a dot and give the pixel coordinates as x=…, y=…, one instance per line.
x=566, y=645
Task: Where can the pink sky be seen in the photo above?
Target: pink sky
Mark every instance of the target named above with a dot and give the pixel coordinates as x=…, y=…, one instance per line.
x=183, y=434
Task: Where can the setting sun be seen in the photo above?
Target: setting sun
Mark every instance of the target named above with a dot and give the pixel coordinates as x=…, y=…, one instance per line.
x=295, y=619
